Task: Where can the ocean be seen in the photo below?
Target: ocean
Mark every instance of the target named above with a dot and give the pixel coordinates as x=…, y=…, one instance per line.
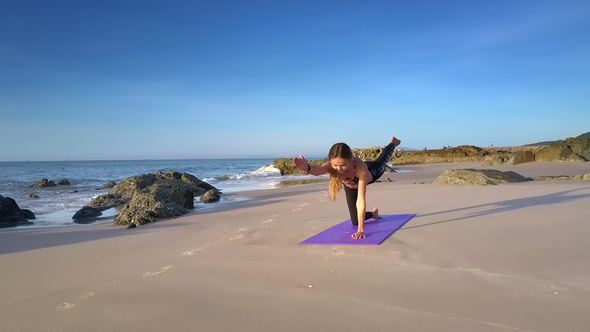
x=55, y=206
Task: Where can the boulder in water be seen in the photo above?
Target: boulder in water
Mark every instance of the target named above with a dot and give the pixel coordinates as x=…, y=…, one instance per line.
x=86, y=212
x=11, y=215
x=211, y=196
x=43, y=183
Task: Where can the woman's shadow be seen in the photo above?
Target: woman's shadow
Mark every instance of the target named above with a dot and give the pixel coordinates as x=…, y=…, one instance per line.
x=508, y=205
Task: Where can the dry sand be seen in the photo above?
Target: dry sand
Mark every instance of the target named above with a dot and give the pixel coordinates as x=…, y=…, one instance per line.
x=497, y=258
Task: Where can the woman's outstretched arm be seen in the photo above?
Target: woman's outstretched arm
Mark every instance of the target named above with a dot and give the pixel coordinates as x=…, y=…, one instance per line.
x=302, y=164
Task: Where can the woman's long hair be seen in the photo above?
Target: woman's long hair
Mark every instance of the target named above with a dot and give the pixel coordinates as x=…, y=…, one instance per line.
x=338, y=150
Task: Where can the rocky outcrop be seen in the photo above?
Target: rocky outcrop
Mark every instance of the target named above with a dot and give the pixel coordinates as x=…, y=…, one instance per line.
x=570, y=149
x=129, y=186
x=11, y=215
x=479, y=177
x=149, y=197
x=463, y=153
x=158, y=201
x=86, y=212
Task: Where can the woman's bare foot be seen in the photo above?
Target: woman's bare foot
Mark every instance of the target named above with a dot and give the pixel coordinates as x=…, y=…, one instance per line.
x=376, y=213
x=395, y=141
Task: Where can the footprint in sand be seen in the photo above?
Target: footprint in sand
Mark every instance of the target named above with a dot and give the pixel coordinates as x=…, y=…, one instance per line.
x=237, y=237
x=64, y=306
x=303, y=204
x=87, y=295
x=267, y=221
x=153, y=274
x=243, y=229
x=275, y=215
x=296, y=209
x=191, y=252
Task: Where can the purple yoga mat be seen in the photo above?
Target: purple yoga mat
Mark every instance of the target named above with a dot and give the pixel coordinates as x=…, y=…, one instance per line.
x=376, y=231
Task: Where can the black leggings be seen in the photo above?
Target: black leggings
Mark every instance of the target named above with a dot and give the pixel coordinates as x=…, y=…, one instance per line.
x=377, y=168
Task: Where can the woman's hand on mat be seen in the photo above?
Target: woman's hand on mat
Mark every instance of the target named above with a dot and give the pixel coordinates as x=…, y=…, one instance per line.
x=300, y=163
x=358, y=235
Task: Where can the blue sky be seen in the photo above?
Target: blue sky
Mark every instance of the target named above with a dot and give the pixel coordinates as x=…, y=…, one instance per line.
x=201, y=79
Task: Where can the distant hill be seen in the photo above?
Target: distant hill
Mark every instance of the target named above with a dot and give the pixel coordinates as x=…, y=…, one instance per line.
x=583, y=136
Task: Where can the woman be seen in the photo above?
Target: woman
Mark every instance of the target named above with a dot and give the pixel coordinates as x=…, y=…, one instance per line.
x=355, y=174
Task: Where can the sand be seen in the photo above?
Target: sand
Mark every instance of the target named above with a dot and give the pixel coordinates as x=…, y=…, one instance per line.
x=510, y=257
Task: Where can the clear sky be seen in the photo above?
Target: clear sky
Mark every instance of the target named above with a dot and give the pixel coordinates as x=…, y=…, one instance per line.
x=200, y=79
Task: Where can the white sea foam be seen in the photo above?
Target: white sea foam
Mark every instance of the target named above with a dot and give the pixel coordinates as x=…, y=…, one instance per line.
x=267, y=170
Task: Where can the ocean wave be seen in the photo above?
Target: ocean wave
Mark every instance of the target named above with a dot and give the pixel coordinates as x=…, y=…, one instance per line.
x=267, y=170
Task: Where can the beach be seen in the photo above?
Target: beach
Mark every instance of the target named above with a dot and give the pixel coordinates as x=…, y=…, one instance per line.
x=509, y=257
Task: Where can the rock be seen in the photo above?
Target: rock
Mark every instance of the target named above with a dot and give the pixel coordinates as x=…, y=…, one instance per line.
x=28, y=214
x=130, y=185
x=211, y=196
x=570, y=149
x=582, y=177
x=108, y=185
x=44, y=183
x=463, y=153
x=86, y=212
x=158, y=201
x=520, y=157
x=480, y=177
x=107, y=201
x=199, y=187
x=11, y=215
x=63, y=182
x=33, y=195
x=553, y=177
x=495, y=160
x=149, y=197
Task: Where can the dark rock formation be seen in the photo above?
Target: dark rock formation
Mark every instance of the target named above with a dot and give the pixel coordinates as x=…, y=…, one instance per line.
x=87, y=212
x=11, y=215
